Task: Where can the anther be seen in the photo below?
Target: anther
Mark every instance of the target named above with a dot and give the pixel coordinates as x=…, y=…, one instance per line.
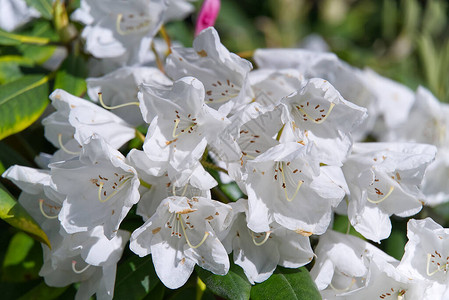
x=41, y=202
x=318, y=120
x=439, y=268
x=206, y=234
x=267, y=235
x=383, y=198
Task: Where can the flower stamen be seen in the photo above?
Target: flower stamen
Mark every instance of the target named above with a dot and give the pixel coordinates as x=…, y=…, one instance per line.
x=383, y=198
x=100, y=98
x=439, y=268
x=318, y=120
x=116, y=190
x=345, y=289
x=267, y=235
x=206, y=234
x=130, y=29
x=64, y=148
x=284, y=186
x=78, y=271
x=41, y=202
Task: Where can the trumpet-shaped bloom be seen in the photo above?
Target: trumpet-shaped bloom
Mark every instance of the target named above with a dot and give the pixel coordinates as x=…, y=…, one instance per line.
x=120, y=87
x=285, y=185
x=80, y=119
x=342, y=263
x=259, y=253
x=383, y=179
x=100, y=188
x=120, y=29
x=223, y=74
x=427, y=251
x=182, y=233
x=320, y=108
x=181, y=124
x=89, y=258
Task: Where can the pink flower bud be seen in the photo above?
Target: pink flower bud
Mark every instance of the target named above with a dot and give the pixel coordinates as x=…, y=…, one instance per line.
x=208, y=15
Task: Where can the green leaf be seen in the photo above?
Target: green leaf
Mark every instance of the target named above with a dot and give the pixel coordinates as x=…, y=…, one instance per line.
x=136, y=277
x=45, y=7
x=287, y=284
x=23, y=259
x=21, y=103
x=2, y=168
x=233, y=285
x=10, y=67
x=395, y=244
x=12, y=39
x=14, y=214
x=70, y=76
x=43, y=291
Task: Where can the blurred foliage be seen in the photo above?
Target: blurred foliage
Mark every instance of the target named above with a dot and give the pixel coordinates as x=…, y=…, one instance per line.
x=406, y=40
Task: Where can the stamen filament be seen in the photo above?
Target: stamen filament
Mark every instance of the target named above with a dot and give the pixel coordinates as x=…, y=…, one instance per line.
x=383, y=198
x=100, y=98
x=206, y=234
x=64, y=148
x=78, y=271
x=177, y=121
x=41, y=202
x=298, y=186
x=322, y=119
x=100, y=188
x=445, y=266
x=267, y=235
x=345, y=289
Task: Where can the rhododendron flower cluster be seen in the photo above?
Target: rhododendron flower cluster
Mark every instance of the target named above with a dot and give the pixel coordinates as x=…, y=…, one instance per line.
x=289, y=131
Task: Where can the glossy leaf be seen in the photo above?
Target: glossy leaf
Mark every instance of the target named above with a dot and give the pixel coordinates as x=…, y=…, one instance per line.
x=45, y=7
x=21, y=103
x=12, y=39
x=287, y=284
x=43, y=291
x=233, y=285
x=23, y=259
x=136, y=277
x=71, y=76
x=14, y=214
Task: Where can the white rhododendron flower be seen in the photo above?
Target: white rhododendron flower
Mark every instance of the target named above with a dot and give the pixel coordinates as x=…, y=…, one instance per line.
x=285, y=185
x=76, y=120
x=181, y=123
x=15, y=13
x=343, y=263
x=427, y=251
x=100, y=188
x=119, y=90
x=307, y=144
x=223, y=74
x=116, y=29
x=182, y=233
x=87, y=257
x=259, y=253
x=383, y=179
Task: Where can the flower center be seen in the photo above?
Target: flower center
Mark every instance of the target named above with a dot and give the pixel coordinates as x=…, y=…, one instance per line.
x=438, y=262
x=178, y=227
x=109, y=188
x=132, y=24
x=316, y=113
x=51, y=208
x=287, y=180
